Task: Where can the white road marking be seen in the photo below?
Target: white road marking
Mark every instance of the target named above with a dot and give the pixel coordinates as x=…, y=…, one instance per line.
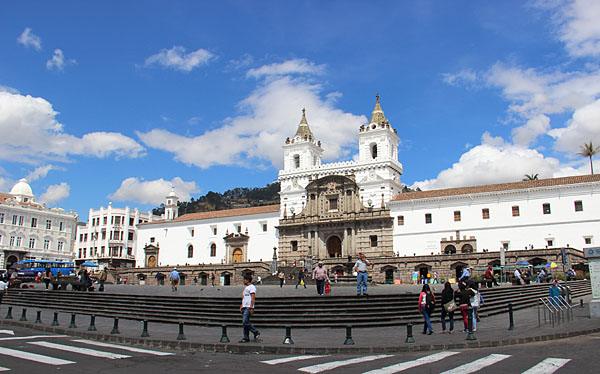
x=4, y=369
x=548, y=366
x=411, y=364
x=34, y=357
x=335, y=364
x=8, y=332
x=123, y=347
x=83, y=351
x=290, y=359
x=33, y=337
x=476, y=365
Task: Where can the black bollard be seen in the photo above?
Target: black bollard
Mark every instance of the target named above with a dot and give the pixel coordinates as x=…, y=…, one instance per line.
x=349, y=340
x=288, y=335
x=145, y=333
x=72, y=325
x=511, y=321
x=9, y=313
x=38, y=317
x=115, y=329
x=55, y=320
x=581, y=303
x=23, y=315
x=181, y=336
x=92, y=326
x=409, y=335
x=224, y=338
x=470, y=335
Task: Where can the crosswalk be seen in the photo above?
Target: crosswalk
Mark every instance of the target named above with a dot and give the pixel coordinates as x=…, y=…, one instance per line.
x=76, y=346
x=547, y=366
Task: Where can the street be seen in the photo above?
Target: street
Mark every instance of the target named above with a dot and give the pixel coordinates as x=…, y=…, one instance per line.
x=29, y=351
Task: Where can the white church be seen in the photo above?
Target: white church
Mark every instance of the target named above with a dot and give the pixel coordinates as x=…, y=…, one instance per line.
x=336, y=210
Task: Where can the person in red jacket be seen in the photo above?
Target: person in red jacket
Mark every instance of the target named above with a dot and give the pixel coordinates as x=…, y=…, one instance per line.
x=426, y=306
x=489, y=275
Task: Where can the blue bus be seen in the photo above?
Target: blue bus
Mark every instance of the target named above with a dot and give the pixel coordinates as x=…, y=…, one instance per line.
x=27, y=269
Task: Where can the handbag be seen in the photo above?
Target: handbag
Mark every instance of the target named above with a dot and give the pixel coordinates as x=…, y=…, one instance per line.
x=450, y=306
x=302, y=282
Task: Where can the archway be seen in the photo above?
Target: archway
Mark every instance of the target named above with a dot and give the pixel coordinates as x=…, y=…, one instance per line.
x=450, y=249
x=467, y=248
x=334, y=247
x=10, y=260
x=151, y=261
x=237, y=255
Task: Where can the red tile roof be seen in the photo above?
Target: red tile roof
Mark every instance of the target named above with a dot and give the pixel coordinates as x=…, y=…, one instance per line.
x=497, y=187
x=221, y=214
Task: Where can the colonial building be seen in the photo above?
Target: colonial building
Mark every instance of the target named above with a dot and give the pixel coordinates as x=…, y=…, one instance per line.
x=109, y=236
x=30, y=231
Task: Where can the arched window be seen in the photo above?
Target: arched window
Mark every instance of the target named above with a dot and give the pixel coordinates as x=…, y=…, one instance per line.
x=374, y=151
x=213, y=250
x=190, y=251
x=297, y=161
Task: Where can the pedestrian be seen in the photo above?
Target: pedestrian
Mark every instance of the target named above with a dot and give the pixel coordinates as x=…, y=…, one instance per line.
x=448, y=307
x=47, y=277
x=247, y=309
x=281, y=278
x=476, y=301
x=360, y=267
x=335, y=277
x=426, y=306
x=320, y=276
x=489, y=275
x=463, y=297
x=212, y=279
x=158, y=277
x=102, y=278
x=174, y=278
x=517, y=277
x=464, y=277
x=435, y=279
x=195, y=281
x=259, y=280
x=541, y=276
x=3, y=289
x=415, y=276
x=300, y=279
x=554, y=293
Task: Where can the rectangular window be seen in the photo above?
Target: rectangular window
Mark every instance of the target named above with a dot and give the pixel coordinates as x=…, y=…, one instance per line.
x=61, y=226
x=588, y=240
x=546, y=208
x=46, y=244
x=214, y=230
x=264, y=227
x=20, y=220
x=14, y=220
x=238, y=228
x=579, y=206
x=130, y=235
x=19, y=241
x=11, y=242
x=428, y=218
x=48, y=224
x=31, y=243
x=34, y=222
x=131, y=220
x=191, y=232
x=400, y=220
x=60, y=245
x=103, y=234
x=80, y=237
x=294, y=245
x=485, y=213
x=105, y=220
x=457, y=216
x=152, y=240
x=550, y=242
x=373, y=240
x=0, y=239
x=515, y=211
x=333, y=203
x=1, y=217
x=85, y=237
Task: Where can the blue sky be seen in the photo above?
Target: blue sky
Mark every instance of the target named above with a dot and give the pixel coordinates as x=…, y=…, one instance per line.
x=119, y=100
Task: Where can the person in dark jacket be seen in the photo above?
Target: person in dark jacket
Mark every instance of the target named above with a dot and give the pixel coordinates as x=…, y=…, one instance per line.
x=426, y=305
x=447, y=296
x=462, y=296
x=301, y=278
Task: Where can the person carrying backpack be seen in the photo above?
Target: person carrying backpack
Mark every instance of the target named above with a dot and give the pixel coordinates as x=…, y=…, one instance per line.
x=426, y=307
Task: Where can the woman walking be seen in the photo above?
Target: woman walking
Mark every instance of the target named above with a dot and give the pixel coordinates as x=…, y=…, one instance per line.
x=476, y=301
x=463, y=297
x=447, y=296
x=426, y=305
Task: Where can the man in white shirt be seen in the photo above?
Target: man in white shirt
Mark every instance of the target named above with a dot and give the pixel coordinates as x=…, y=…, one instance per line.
x=360, y=267
x=3, y=289
x=247, y=309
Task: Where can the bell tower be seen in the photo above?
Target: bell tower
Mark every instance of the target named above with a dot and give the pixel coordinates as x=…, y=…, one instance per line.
x=171, y=208
x=302, y=152
x=377, y=140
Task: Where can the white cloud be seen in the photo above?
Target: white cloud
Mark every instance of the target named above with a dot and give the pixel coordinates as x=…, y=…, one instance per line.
x=8, y=89
x=40, y=172
x=28, y=39
x=6, y=184
x=496, y=161
x=177, y=58
x=583, y=127
x=153, y=192
x=579, y=28
x=58, y=61
x=45, y=138
x=463, y=78
x=55, y=193
x=289, y=67
x=244, y=61
x=273, y=111
x=528, y=133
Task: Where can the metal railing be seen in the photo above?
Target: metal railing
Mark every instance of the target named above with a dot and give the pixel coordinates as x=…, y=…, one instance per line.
x=555, y=308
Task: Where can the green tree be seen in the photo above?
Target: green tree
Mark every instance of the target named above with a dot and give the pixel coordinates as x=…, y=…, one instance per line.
x=531, y=177
x=588, y=150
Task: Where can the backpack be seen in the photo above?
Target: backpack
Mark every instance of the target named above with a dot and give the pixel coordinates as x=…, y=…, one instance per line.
x=430, y=301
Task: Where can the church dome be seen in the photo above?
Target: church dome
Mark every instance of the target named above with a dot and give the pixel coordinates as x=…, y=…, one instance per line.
x=22, y=191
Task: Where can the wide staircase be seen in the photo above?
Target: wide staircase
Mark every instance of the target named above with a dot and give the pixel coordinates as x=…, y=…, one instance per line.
x=299, y=311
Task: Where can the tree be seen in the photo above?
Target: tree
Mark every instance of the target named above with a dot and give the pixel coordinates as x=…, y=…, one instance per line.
x=531, y=177
x=588, y=150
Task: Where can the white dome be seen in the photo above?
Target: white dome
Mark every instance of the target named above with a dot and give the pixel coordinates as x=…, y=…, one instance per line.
x=22, y=190
x=172, y=193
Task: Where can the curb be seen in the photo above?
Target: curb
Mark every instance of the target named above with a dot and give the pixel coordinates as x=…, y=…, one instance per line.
x=242, y=349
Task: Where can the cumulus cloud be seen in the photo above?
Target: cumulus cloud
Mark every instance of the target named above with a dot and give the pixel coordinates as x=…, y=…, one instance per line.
x=55, y=193
x=153, y=192
x=176, y=58
x=46, y=138
x=578, y=25
x=8, y=89
x=6, y=184
x=40, y=172
x=58, y=62
x=28, y=39
x=289, y=67
x=272, y=113
x=466, y=77
x=583, y=127
x=528, y=133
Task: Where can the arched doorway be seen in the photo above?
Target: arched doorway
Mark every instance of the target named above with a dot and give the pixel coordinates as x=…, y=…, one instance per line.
x=151, y=261
x=467, y=248
x=450, y=249
x=10, y=260
x=237, y=255
x=334, y=247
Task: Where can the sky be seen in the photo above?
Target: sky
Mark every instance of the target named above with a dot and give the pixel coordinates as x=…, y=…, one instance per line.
x=118, y=101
